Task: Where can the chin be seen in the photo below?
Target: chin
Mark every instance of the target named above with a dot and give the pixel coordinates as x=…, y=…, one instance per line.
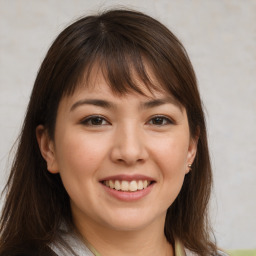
x=127, y=226
x=131, y=220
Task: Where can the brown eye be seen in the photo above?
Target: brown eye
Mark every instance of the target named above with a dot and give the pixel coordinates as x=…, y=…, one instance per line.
x=160, y=120
x=95, y=121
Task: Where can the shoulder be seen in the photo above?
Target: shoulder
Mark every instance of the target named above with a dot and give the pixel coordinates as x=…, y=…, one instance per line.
x=70, y=244
x=221, y=253
x=190, y=253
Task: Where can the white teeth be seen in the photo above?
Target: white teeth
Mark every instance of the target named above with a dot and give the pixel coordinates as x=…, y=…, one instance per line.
x=133, y=186
x=125, y=185
x=117, y=185
x=111, y=184
x=140, y=184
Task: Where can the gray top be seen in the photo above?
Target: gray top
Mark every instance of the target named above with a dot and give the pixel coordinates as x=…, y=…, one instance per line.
x=80, y=249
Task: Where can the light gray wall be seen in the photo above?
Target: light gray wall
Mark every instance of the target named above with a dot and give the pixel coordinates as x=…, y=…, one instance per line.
x=220, y=36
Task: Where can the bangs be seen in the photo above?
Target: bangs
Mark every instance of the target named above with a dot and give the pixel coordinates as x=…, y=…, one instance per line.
x=124, y=67
x=127, y=56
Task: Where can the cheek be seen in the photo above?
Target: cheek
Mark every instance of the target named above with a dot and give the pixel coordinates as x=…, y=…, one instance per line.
x=79, y=155
x=171, y=158
x=171, y=154
x=78, y=158
x=77, y=147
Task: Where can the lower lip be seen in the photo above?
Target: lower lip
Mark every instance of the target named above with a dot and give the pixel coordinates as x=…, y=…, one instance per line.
x=129, y=196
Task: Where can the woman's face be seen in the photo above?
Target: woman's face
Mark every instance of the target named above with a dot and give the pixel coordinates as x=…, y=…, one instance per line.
x=122, y=159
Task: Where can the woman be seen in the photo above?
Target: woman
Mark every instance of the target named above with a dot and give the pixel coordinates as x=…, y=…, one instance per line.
x=113, y=156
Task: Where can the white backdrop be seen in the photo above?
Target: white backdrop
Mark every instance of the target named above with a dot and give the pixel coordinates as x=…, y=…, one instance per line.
x=220, y=37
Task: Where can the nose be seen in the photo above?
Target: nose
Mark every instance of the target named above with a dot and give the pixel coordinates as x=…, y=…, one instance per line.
x=129, y=146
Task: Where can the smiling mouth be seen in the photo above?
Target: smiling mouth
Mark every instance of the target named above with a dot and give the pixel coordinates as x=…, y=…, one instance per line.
x=127, y=186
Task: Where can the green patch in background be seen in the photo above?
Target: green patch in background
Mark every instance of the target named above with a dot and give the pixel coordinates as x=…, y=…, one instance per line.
x=242, y=253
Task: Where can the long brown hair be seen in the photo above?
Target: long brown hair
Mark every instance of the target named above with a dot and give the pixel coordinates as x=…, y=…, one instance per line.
x=120, y=42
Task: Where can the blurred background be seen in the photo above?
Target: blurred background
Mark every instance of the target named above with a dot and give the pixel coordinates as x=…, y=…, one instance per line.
x=220, y=37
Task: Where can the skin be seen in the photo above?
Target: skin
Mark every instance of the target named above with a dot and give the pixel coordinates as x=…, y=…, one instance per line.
x=127, y=138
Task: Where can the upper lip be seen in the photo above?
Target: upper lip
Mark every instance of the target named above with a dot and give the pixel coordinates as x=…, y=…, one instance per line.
x=128, y=177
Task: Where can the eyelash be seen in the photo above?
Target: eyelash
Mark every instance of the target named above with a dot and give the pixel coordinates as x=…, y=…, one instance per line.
x=167, y=120
x=88, y=121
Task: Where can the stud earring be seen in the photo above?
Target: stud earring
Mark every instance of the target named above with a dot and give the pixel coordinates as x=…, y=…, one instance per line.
x=190, y=166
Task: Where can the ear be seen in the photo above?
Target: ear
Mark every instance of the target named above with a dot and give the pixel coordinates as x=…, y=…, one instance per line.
x=46, y=146
x=191, y=152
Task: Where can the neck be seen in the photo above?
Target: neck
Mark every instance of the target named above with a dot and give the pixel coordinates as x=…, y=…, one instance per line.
x=147, y=241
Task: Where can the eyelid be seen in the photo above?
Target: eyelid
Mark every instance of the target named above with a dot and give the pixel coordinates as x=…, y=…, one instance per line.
x=169, y=119
x=90, y=117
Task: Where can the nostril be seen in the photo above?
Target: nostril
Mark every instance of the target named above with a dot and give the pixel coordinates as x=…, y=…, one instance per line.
x=130, y=161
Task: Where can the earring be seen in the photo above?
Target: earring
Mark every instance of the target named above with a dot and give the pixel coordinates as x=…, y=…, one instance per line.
x=190, y=166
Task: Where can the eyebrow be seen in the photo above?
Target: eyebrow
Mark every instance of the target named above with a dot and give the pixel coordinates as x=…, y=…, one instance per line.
x=108, y=105
x=94, y=102
x=159, y=102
